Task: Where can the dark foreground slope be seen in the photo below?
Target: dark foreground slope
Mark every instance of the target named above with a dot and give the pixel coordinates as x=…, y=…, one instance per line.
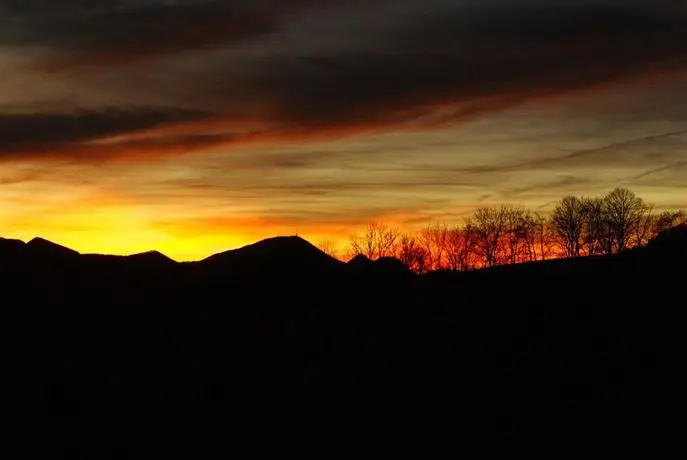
x=103, y=327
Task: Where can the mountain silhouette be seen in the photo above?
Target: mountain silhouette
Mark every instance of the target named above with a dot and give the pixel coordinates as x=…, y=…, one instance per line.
x=287, y=254
x=35, y=254
x=281, y=310
x=42, y=247
x=144, y=261
x=10, y=246
x=360, y=262
x=148, y=257
x=151, y=257
x=671, y=242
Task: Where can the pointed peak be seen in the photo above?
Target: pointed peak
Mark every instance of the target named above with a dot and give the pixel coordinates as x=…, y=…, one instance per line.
x=269, y=245
x=283, y=252
x=283, y=240
x=43, y=245
x=151, y=255
x=41, y=241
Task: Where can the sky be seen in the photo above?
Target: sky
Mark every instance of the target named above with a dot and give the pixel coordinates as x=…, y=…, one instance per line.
x=193, y=127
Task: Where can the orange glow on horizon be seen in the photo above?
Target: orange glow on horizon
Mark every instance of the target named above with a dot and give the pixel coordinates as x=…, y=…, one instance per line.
x=121, y=230
x=116, y=242
x=107, y=224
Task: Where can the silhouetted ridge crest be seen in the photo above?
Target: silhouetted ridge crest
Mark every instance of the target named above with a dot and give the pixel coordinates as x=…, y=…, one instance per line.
x=360, y=261
x=384, y=265
x=10, y=249
x=391, y=265
x=151, y=257
x=278, y=253
x=670, y=242
x=7, y=243
x=43, y=247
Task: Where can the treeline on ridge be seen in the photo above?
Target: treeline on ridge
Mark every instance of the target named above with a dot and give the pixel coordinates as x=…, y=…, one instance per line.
x=510, y=233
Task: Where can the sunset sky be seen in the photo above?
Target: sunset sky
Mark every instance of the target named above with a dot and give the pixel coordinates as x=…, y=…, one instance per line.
x=193, y=127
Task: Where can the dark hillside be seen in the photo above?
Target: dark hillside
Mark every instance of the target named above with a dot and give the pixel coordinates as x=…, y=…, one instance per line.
x=281, y=311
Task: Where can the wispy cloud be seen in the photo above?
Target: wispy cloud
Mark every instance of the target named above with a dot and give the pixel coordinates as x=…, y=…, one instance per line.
x=426, y=65
x=112, y=32
x=47, y=133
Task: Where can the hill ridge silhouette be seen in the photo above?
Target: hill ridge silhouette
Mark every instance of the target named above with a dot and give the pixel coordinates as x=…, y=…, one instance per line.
x=288, y=255
x=280, y=310
x=48, y=247
x=282, y=251
x=262, y=246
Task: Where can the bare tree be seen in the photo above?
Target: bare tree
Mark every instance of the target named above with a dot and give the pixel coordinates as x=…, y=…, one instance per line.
x=669, y=219
x=529, y=231
x=625, y=212
x=489, y=225
x=377, y=241
x=412, y=254
x=434, y=238
x=510, y=234
x=544, y=239
x=645, y=229
x=520, y=234
x=597, y=237
x=329, y=248
x=461, y=248
x=567, y=221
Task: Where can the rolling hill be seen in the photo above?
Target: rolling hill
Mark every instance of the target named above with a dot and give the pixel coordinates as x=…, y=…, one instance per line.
x=280, y=310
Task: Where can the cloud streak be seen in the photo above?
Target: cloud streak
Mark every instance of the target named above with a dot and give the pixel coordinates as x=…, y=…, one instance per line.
x=424, y=67
x=48, y=133
x=112, y=32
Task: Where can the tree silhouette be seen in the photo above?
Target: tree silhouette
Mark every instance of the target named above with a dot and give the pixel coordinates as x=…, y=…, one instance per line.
x=461, y=250
x=377, y=241
x=669, y=219
x=434, y=238
x=625, y=212
x=532, y=231
x=568, y=220
x=508, y=234
x=645, y=230
x=489, y=225
x=518, y=235
x=329, y=248
x=596, y=234
x=412, y=254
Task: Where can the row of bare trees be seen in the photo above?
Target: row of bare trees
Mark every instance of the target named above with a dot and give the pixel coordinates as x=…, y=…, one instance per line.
x=492, y=236
x=507, y=234
x=609, y=224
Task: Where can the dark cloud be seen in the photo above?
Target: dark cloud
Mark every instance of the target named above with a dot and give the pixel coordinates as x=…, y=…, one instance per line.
x=35, y=134
x=418, y=63
x=476, y=58
x=116, y=32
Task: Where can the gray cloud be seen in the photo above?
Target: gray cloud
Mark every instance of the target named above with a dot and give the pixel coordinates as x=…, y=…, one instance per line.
x=419, y=63
x=480, y=58
x=637, y=149
x=117, y=32
x=27, y=134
